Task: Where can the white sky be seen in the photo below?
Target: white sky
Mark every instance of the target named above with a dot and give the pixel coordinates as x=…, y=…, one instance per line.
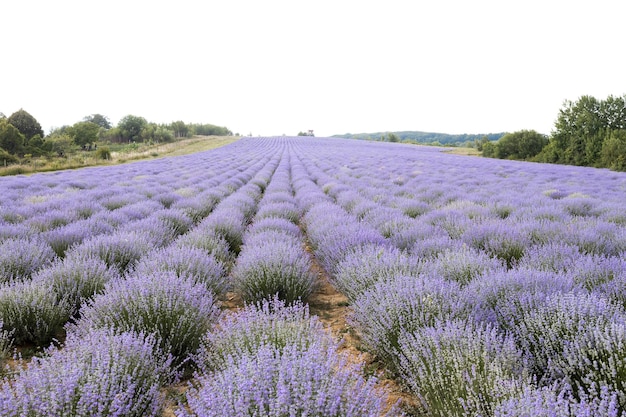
x=269, y=67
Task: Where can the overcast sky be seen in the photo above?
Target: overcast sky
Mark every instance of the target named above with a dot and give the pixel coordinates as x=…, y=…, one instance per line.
x=271, y=67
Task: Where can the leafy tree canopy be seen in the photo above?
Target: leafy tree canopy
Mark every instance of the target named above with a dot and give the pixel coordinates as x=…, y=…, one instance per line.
x=84, y=133
x=131, y=126
x=25, y=123
x=11, y=139
x=98, y=119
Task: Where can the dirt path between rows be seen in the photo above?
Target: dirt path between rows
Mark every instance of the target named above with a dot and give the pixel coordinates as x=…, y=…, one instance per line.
x=332, y=308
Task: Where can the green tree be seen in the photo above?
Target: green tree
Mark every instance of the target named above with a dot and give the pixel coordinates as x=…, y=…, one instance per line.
x=523, y=144
x=181, y=130
x=84, y=133
x=11, y=139
x=131, y=126
x=98, y=119
x=392, y=138
x=581, y=128
x=614, y=150
x=25, y=123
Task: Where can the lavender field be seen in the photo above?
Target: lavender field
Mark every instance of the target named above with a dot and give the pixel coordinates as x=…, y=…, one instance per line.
x=483, y=287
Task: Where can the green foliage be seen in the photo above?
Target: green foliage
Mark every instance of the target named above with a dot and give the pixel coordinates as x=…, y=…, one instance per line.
x=25, y=123
x=7, y=159
x=103, y=153
x=100, y=120
x=614, y=150
x=130, y=127
x=11, y=140
x=523, y=144
x=425, y=137
x=84, y=133
x=581, y=130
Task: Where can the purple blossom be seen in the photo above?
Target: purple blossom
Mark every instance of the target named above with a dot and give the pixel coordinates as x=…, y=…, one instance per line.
x=102, y=374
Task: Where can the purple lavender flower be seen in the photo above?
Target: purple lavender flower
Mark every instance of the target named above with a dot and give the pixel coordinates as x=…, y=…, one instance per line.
x=459, y=368
x=313, y=381
x=177, y=310
x=32, y=311
x=21, y=257
x=102, y=374
x=186, y=262
x=270, y=266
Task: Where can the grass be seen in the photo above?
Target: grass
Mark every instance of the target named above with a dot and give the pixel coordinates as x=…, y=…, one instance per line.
x=120, y=153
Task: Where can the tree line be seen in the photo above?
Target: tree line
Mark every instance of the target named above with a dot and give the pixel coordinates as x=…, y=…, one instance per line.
x=22, y=135
x=587, y=132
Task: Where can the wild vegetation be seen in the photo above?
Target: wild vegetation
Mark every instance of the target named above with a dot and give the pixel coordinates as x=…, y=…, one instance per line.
x=92, y=141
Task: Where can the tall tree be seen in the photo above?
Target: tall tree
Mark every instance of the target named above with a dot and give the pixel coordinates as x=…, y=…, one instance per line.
x=11, y=140
x=131, y=126
x=25, y=123
x=84, y=133
x=98, y=119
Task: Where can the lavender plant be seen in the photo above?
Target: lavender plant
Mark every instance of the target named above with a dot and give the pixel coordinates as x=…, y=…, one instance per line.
x=75, y=280
x=268, y=266
x=270, y=322
x=32, y=311
x=119, y=250
x=461, y=369
x=177, y=310
x=315, y=381
x=102, y=374
x=185, y=262
x=20, y=258
x=366, y=265
x=557, y=401
x=402, y=304
x=561, y=320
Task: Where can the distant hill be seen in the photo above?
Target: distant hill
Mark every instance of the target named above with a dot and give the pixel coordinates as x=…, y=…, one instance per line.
x=429, y=138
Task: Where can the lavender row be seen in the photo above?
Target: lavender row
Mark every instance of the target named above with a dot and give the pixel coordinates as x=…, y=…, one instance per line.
x=273, y=260
x=34, y=311
x=274, y=359
x=399, y=307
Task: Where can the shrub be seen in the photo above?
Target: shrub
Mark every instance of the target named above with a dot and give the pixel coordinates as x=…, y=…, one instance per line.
x=20, y=258
x=562, y=319
x=103, y=152
x=76, y=280
x=402, y=304
x=267, y=323
x=268, y=266
x=32, y=311
x=555, y=401
x=461, y=369
x=178, y=311
x=211, y=243
x=119, y=250
x=315, y=381
x=186, y=262
x=102, y=374
x=463, y=265
x=367, y=265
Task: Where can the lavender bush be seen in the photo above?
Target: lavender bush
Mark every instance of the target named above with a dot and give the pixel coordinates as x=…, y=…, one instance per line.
x=461, y=369
x=402, y=304
x=20, y=258
x=185, y=262
x=555, y=401
x=119, y=250
x=270, y=322
x=177, y=310
x=316, y=381
x=32, y=311
x=76, y=280
x=102, y=374
x=268, y=266
x=366, y=265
